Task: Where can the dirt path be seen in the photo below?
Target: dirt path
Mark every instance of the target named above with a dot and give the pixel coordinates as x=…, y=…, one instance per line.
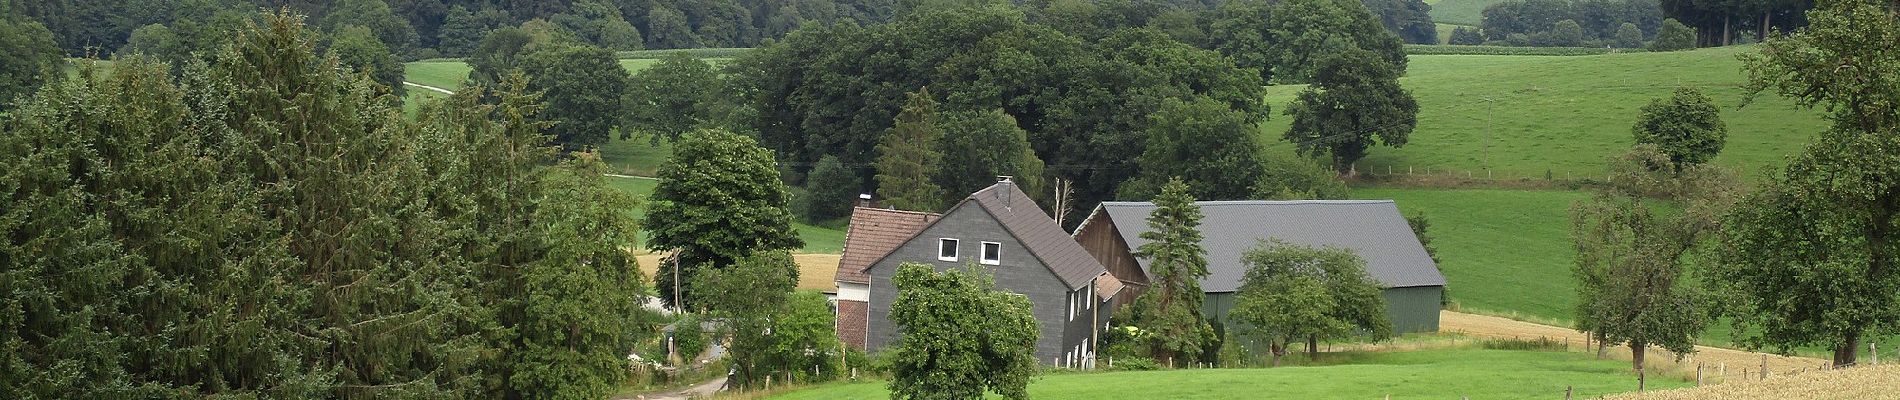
x=701, y=390
x=429, y=88
x=1716, y=361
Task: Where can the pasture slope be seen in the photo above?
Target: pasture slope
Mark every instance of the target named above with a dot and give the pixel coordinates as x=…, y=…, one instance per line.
x=1565, y=115
x=1459, y=12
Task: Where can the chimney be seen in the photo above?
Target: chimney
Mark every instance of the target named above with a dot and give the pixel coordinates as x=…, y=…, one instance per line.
x=864, y=200
x=1005, y=180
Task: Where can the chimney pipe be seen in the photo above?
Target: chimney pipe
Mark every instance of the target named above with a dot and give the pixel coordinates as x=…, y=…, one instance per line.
x=864, y=200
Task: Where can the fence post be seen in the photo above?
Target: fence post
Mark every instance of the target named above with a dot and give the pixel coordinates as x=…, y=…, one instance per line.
x=1568, y=390
x=1764, y=367
x=1698, y=374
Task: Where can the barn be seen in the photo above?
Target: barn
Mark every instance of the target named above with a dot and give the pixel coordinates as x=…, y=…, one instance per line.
x=1374, y=229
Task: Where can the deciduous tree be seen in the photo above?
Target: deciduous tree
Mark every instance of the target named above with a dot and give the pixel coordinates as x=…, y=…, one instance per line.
x=719, y=200
x=1290, y=292
x=582, y=87
x=961, y=337
x=1203, y=143
x=357, y=48
x=1687, y=127
x=1355, y=101
x=28, y=58
x=671, y=98
x=830, y=191
x=978, y=146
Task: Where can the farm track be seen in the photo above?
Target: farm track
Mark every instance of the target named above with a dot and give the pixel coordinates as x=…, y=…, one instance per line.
x=1717, y=361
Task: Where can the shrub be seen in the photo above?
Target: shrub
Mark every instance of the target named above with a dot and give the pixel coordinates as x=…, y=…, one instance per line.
x=1538, y=344
x=1465, y=35
x=1629, y=36
x=1673, y=36
x=688, y=339
x=1134, y=363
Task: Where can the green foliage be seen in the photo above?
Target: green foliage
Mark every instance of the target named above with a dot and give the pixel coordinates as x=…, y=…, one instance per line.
x=1462, y=36
x=1628, y=36
x=1808, y=256
x=978, y=146
x=582, y=87
x=460, y=32
x=356, y=47
x=28, y=59
x=1239, y=30
x=719, y=200
x=671, y=98
x=1633, y=263
x=267, y=224
x=830, y=191
x=1673, y=36
x=1354, y=101
x=600, y=24
x=908, y=158
x=1409, y=19
x=961, y=337
x=1307, y=30
x=1291, y=292
x=1421, y=228
x=1210, y=147
x=1169, y=310
x=770, y=329
x=1687, y=127
x=689, y=337
x=390, y=29
x=580, y=314
x=1295, y=178
x=667, y=28
x=1083, y=106
x=1566, y=33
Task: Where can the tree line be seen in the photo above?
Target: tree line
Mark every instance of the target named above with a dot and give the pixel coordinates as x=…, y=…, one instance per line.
x=418, y=29
x=269, y=224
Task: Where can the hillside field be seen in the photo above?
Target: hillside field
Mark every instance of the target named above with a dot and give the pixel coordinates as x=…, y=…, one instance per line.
x=818, y=240
x=1565, y=115
x=1459, y=12
x=1441, y=373
x=448, y=74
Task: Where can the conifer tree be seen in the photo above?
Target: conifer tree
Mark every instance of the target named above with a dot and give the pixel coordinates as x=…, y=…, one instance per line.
x=907, y=157
x=1171, y=306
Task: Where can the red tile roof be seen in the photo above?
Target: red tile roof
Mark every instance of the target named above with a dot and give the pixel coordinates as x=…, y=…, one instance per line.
x=874, y=233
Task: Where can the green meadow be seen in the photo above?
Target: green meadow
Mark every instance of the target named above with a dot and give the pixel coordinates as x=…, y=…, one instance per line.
x=1459, y=12
x=1528, y=116
x=1441, y=373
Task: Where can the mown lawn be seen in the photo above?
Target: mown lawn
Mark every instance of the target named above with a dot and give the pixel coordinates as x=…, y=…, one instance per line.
x=1526, y=116
x=1461, y=12
x=1442, y=374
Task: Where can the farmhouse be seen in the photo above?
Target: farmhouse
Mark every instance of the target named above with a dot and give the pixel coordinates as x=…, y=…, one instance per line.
x=998, y=228
x=1372, y=228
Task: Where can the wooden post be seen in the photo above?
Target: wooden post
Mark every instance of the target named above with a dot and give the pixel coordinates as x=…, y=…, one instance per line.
x=1764, y=367
x=1642, y=379
x=1568, y=390
x=1698, y=374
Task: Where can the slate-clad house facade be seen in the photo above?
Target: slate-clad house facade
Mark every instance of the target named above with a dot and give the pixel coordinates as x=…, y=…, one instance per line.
x=1002, y=229
x=873, y=233
x=1374, y=229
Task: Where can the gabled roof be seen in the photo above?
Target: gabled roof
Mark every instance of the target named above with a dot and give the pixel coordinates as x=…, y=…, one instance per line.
x=874, y=233
x=1372, y=228
x=1039, y=233
x=1031, y=227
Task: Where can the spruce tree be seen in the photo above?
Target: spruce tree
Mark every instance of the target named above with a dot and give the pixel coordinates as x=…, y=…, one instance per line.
x=907, y=157
x=1170, y=308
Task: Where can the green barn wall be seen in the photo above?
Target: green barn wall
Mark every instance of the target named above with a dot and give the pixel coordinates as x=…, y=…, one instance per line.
x=1411, y=309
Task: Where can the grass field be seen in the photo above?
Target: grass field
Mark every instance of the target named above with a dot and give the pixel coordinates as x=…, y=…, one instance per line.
x=448, y=74
x=1442, y=373
x=1565, y=115
x=1500, y=250
x=1460, y=12
x=818, y=240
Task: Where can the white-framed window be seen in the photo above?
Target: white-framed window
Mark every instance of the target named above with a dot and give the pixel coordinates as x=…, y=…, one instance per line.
x=992, y=253
x=1088, y=298
x=1072, y=306
x=947, y=249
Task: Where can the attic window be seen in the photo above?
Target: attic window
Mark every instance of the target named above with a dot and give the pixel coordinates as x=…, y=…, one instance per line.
x=992, y=253
x=947, y=250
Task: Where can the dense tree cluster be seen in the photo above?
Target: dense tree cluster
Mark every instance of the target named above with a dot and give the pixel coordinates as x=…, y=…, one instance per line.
x=28, y=58
x=1573, y=23
x=719, y=201
x=267, y=224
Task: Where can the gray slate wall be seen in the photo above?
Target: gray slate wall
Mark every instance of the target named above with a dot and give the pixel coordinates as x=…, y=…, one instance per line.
x=1019, y=273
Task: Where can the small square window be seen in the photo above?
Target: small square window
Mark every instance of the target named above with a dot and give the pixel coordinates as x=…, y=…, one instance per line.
x=992, y=253
x=947, y=249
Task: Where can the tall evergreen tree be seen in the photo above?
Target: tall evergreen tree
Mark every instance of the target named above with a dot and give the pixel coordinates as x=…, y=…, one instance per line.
x=908, y=158
x=1170, y=308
